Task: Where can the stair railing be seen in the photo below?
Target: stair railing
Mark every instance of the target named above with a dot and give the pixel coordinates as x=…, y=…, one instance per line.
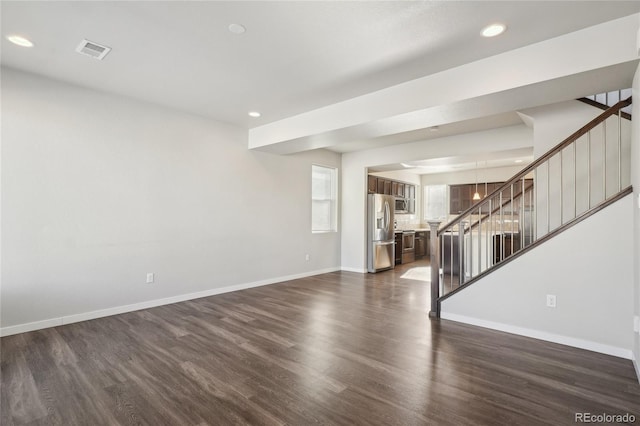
x=609, y=99
x=576, y=176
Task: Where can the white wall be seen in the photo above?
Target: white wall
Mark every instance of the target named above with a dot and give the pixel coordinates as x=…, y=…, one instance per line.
x=635, y=181
x=551, y=125
x=98, y=190
x=354, y=173
x=594, y=303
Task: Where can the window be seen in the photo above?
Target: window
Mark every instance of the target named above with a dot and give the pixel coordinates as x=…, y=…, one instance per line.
x=324, y=208
x=435, y=202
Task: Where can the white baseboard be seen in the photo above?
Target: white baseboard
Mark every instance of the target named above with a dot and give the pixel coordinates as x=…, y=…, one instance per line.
x=542, y=335
x=30, y=326
x=358, y=270
x=71, y=318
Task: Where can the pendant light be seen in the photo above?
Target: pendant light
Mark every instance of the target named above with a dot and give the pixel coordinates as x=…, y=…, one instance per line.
x=476, y=195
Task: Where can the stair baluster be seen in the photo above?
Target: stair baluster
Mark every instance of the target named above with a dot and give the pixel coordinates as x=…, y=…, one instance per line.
x=507, y=222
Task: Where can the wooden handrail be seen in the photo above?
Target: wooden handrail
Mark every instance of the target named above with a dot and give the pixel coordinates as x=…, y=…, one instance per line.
x=603, y=107
x=568, y=141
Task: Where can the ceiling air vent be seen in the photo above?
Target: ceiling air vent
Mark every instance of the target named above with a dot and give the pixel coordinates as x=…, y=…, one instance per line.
x=92, y=49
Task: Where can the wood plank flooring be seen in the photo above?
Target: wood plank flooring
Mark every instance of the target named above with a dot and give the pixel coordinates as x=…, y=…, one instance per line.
x=334, y=349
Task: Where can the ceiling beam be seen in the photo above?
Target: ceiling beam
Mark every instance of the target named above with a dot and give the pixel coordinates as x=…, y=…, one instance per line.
x=592, y=60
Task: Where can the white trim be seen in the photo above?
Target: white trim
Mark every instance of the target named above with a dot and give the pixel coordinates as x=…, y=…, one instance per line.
x=70, y=319
x=30, y=326
x=542, y=335
x=333, y=200
x=358, y=270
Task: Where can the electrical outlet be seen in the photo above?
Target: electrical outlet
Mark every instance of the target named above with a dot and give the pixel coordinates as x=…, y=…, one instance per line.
x=307, y=257
x=551, y=300
x=636, y=324
x=150, y=277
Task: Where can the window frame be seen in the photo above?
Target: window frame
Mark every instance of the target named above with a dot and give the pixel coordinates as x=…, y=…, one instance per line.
x=333, y=199
x=425, y=199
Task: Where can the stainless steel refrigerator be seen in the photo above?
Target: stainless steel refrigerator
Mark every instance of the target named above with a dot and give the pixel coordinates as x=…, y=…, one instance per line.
x=380, y=232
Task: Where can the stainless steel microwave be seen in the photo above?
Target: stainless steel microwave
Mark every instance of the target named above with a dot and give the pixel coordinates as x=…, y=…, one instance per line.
x=402, y=205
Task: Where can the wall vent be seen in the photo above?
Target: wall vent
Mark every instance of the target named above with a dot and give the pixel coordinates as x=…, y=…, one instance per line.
x=92, y=49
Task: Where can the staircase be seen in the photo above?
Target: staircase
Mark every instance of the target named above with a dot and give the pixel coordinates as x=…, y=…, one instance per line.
x=577, y=178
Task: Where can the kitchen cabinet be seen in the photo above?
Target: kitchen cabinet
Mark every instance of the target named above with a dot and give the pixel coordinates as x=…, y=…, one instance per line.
x=387, y=187
x=398, y=255
x=422, y=244
x=455, y=199
x=379, y=185
x=383, y=186
x=506, y=193
x=461, y=196
x=411, y=192
x=492, y=187
x=408, y=246
x=372, y=184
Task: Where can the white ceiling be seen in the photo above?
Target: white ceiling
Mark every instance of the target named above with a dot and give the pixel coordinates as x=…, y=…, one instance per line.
x=490, y=160
x=455, y=128
x=294, y=56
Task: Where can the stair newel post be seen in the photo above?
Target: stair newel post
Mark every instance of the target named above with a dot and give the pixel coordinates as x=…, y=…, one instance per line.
x=435, y=267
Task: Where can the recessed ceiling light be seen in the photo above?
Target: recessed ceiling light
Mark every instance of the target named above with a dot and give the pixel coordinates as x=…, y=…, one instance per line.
x=519, y=161
x=237, y=28
x=254, y=114
x=493, y=30
x=20, y=41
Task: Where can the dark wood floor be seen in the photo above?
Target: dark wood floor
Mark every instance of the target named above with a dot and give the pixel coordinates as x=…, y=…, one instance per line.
x=339, y=348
